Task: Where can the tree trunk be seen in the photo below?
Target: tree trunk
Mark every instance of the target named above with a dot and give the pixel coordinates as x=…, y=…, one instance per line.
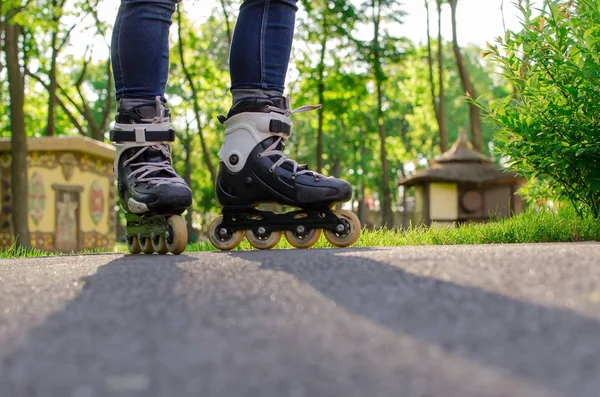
x=386, y=197
x=187, y=176
x=227, y=24
x=50, y=126
x=442, y=92
x=434, y=98
x=19, y=183
x=321, y=115
x=475, y=117
x=321, y=94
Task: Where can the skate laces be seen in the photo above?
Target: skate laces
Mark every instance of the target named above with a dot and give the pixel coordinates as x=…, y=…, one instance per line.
x=272, y=149
x=149, y=172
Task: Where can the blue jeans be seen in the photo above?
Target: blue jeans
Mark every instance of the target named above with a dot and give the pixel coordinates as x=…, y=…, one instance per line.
x=260, y=50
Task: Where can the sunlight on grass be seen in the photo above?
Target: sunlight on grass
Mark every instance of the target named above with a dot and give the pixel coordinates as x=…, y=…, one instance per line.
x=531, y=227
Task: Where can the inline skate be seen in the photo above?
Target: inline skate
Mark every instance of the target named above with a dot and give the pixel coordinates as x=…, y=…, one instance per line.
x=149, y=189
x=254, y=170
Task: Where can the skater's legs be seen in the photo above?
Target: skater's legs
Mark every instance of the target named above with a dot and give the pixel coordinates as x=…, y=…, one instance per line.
x=253, y=168
x=140, y=48
x=261, y=47
x=149, y=189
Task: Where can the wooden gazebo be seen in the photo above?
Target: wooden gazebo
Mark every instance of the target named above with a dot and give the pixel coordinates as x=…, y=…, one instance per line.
x=461, y=185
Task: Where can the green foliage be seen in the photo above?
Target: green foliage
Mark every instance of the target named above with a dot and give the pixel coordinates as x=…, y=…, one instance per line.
x=333, y=55
x=550, y=126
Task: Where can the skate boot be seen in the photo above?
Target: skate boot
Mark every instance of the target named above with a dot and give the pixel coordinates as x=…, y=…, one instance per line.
x=254, y=170
x=149, y=189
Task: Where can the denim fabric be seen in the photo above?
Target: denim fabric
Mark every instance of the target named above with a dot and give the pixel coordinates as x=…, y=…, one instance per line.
x=140, y=48
x=262, y=43
x=259, y=56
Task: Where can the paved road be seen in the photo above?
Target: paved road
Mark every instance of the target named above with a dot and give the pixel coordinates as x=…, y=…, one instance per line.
x=458, y=321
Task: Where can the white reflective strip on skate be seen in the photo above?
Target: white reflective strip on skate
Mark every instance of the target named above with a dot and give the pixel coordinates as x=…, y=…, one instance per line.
x=166, y=126
x=140, y=135
x=136, y=207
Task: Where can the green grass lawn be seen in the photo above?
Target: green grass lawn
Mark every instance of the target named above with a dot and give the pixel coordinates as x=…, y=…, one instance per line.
x=531, y=227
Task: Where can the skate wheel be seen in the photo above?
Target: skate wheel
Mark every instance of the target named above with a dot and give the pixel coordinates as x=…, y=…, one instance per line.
x=177, y=239
x=159, y=244
x=133, y=245
x=300, y=241
x=350, y=235
x=265, y=242
x=223, y=242
x=146, y=245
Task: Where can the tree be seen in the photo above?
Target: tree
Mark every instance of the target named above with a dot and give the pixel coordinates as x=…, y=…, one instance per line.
x=194, y=97
x=328, y=22
x=438, y=99
x=59, y=37
x=468, y=87
x=381, y=49
x=16, y=84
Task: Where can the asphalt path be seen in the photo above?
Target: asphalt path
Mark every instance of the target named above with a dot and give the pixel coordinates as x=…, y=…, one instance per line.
x=454, y=321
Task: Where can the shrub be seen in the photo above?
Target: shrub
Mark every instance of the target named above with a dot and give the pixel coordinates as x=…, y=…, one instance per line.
x=550, y=126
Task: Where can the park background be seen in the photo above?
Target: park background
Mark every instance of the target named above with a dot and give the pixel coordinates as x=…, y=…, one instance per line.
x=385, y=72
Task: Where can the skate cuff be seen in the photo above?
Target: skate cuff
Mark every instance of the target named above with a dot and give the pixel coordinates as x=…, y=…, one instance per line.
x=142, y=135
x=278, y=126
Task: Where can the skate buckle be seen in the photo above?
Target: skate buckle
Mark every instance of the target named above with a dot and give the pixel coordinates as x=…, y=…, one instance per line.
x=140, y=134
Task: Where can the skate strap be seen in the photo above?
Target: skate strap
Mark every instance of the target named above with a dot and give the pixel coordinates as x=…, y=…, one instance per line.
x=142, y=136
x=278, y=126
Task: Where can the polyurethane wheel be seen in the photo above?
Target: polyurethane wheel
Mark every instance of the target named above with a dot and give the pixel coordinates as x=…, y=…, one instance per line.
x=224, y=242
x=300, y=241
x=350, y=235
x=133, y=245
x=177, y=238
x=265, y=242
x=146, y=245
x=159, y=244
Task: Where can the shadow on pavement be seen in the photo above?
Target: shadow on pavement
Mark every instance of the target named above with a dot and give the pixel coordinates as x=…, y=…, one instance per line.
x=552, y=347
x=133, y=331
x=67, y=355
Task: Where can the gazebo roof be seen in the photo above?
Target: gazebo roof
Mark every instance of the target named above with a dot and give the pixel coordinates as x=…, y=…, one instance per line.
x=461, y=164
x=462, y=152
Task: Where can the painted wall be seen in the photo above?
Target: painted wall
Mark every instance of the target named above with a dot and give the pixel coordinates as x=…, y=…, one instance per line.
x=419, y=214
x=83, y=174
x=443, y=201
x=47, y=222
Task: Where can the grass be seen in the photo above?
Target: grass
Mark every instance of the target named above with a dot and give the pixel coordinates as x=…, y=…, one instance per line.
x=530, y=227
x=20, y=252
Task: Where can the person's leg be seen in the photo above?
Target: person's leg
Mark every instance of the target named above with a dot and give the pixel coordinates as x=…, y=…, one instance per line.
x=261, y=48
x=147, y=182
x=140, y=48
x=253, y=168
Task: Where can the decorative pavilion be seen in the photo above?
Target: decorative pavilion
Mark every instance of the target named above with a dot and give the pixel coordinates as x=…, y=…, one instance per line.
x=461, y=185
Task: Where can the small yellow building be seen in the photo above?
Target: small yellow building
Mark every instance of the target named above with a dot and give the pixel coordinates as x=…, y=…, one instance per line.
x=71, y=194
x=461, y=185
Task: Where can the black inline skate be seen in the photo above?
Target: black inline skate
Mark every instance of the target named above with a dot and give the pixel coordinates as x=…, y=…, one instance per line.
x=149, y=189
x=253, y=170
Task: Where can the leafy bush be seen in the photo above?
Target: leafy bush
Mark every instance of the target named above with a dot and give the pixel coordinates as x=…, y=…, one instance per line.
x=550, y=126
